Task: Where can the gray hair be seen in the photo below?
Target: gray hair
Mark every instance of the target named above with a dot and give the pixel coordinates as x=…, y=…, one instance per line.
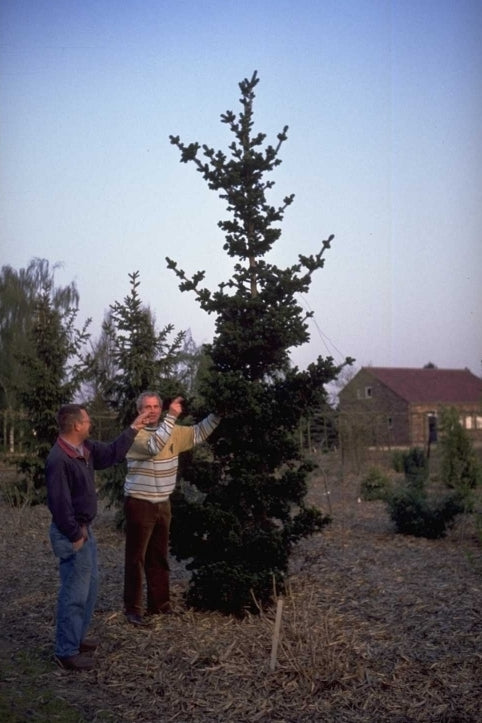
x=144, y=395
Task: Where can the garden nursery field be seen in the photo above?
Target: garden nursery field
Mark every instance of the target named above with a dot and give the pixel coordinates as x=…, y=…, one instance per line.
x=375, y=627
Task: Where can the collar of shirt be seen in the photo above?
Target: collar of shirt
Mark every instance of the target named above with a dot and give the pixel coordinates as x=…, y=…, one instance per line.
x=72, y=450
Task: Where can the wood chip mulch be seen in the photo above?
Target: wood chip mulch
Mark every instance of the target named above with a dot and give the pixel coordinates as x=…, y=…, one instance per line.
x=376, y=627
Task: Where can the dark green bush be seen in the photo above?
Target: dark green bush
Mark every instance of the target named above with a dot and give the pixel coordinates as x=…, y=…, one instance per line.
x=414, y=514
x=461, y=469
x=228, y=588
x=375, y=486
x=415, y=467
x=397, y=460
x=21, y=491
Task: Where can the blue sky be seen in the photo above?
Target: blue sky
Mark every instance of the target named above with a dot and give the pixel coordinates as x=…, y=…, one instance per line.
x=383, y=101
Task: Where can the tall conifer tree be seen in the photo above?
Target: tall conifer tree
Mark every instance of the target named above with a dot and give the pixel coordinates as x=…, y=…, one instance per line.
x=240, y=530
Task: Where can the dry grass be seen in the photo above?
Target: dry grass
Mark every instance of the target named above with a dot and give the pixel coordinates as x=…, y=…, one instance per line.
x=376, y=628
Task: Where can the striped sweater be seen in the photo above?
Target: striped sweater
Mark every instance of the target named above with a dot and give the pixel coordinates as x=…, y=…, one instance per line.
x=152, y=460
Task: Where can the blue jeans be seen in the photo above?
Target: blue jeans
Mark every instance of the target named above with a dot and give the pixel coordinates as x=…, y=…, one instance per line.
x=78, y=591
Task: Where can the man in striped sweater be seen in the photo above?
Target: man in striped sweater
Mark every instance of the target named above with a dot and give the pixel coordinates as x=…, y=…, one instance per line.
x=152, y=463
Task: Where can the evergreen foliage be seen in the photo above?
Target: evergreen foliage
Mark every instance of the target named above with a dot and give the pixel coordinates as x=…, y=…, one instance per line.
x=414, y=513
x=415, y=467
x=413, y=510
x=20, y=291
x=460, y=467
x=133, y=357
x=250, y=507
x=144, y=358
x=375, y=485
x=53, y=371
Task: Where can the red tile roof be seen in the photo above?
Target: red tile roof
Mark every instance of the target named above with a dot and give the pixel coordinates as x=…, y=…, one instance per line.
x=445, y=386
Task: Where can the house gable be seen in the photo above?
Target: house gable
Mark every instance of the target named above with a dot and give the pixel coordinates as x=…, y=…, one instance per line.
x=441, y=386
x=400, y=406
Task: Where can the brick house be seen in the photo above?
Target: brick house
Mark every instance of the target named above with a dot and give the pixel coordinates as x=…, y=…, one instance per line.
x=395, y=406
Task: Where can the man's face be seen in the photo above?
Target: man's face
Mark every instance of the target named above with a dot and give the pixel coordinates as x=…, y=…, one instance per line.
x=153, y=407
x=83, y=425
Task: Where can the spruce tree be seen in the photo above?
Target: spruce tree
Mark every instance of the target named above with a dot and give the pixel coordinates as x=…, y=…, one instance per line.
x=20, y=292
x=143, y=357
x=139, y=358
x=53, y=370
x=249, y=510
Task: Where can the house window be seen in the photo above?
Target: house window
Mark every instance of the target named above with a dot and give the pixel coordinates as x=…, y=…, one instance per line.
x=478, y=421
x=368, y=392
x=469, y=423
x=390, y=422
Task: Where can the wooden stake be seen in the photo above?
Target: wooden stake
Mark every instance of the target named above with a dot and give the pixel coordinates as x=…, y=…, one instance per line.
x=276, y=633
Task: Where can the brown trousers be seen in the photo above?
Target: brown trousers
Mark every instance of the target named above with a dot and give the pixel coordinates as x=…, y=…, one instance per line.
x=146, y=554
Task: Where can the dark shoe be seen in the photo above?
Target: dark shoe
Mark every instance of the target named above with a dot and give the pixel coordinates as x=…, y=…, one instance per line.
x=88, y=645
x=137, y=620
x=75, y=662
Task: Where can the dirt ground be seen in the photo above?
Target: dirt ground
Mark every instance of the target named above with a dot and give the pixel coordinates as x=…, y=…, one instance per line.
x=376, y=628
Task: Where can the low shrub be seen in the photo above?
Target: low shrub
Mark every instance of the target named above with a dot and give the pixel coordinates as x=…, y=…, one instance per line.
x=461, y=469
x=375, y=486
x=415, y=468
x=21, y=493
x=397, y=460
x=415, y=514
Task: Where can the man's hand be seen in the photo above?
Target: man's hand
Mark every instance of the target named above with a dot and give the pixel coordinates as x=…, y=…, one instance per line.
x=80, y=542
x=175, y=407
x=141, y=421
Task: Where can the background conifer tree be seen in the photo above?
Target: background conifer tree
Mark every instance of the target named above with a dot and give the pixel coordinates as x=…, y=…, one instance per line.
x=249, y=510
x=143, y=357
x=131, y=357
x=53, y=370
x=20, y=293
